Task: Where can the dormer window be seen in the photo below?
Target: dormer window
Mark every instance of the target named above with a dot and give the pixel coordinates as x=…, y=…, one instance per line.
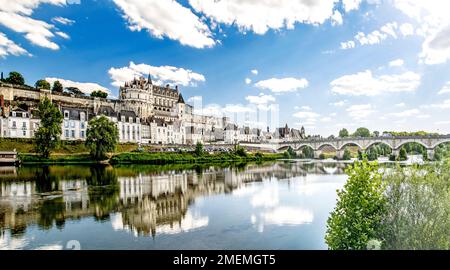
x=82, y=116
x=66, y=114
x=123, y=119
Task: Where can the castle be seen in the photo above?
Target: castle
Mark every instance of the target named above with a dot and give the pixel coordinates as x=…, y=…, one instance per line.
x=144, y=113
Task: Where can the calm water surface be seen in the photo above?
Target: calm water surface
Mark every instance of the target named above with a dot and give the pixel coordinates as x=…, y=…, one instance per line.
x=280, y=205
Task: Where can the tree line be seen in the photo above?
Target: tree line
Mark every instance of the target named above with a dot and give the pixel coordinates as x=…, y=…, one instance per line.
x=16, y=78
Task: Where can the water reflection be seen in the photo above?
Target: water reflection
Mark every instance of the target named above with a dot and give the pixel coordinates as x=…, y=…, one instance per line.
x=152, y=200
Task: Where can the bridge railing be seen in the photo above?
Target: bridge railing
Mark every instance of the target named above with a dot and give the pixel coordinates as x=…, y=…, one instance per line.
x=381, y=138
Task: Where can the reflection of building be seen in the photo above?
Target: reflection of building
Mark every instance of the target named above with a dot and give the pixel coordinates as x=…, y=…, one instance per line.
x=148, y=203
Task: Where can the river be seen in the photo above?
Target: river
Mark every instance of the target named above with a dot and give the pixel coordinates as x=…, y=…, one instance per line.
x=275, y=205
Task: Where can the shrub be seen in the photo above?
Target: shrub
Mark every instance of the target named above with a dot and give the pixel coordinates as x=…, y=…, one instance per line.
x=361, y=205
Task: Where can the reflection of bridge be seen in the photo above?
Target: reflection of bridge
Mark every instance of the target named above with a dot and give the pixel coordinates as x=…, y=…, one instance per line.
x=339, y=144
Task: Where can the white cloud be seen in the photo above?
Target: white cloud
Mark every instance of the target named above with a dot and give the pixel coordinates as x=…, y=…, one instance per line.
x=445, y=89
x=161, y=74
x=282, y=85
x=407, y=113
x=350, y=5
x=306, y=108
x=262, y=99
x=359, y=112
x=8, y=47
x=397, y=63
x=86, y=88
x=248, y=81
x=407, y=29
x=15, y=15
x=167, y=19
x=195, y=99
x=236, y=108
x=348, y=45
x=63, y=20
x=336, y=18
x=339, y=103
x=260, y=16
x=402, y=104
x=254, y=71
x=365, y=84
x=306, y=115
x=432, y=16
x=62, y=34
x=444, y=105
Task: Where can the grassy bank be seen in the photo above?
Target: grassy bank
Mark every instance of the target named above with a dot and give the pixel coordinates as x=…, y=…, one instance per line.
x=56, y=159
x=173, y=158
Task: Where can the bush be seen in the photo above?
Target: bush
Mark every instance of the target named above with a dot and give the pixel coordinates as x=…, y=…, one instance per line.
x=347, y=155
x=240, y=151
x=322, y=156
x=199, y=151
x=361, y=206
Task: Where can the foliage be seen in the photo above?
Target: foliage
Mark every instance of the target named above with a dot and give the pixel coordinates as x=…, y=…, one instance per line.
x=357, y=218
x=199, y=151
x=240, y=151
x=418, y=208
x=102, y=137
x=343, y=133
x=47, y=137
x=403, y=155
x=15, y=78
x=57, y=87
x=322, y=156
x=75, y=91
x=406, y=134
x=308, y=152
x=362, y=132
x=347, y=155
x=290, y=153
x=42, y=84
x=99, y=94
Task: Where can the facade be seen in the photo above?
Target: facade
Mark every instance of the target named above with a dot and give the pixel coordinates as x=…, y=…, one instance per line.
x=144, y=113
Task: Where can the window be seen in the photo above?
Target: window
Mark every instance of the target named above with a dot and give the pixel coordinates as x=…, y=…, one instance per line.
x=82, y=134
x=24, y=133
x=24, y=125
x=14, y=124
x=72, y=124
x=66, y=124
x=73, y=134
x=66, y=133
x=82, y=116
x=82, y=125
x=66, y=114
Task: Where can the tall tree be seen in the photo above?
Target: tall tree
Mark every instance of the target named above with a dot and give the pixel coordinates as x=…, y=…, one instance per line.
x=48, y=135
x=42, y=84
x=99, y=94
x=57, y=87
x=362, y=132
x=343, y=133
x=102, y=137
x=15, y=78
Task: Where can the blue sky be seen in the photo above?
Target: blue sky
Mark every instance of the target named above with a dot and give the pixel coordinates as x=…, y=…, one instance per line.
x=327, y=64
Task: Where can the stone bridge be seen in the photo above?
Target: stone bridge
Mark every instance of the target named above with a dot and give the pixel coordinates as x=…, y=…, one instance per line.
x=339, y=144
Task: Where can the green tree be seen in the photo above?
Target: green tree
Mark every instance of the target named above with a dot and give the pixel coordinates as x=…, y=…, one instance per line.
x=75, y=91
x=42, y=84
x=347, y=155
x=99, y=94
x=362, y=132
x=357, y=217
x=199, y=151
x=101, y=137
x=403, y=155
x=15, y=78
x=48, y=135
x=57, y=87
x=308, y=152
x=343, y=133
x=240, y=151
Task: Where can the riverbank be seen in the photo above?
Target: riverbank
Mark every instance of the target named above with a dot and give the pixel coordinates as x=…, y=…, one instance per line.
x=149, y=158
x=174, y=158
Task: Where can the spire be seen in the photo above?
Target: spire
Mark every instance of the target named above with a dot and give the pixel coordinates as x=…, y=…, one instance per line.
x=1, y=78
x=150, y=78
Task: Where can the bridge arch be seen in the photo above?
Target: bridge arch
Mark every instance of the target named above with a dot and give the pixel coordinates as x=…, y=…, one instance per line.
x=379, y=142
x=283, y=148
x=303, y=146
x=350, y=143
x=320, y=146
x=411, y=141
x=441, y=142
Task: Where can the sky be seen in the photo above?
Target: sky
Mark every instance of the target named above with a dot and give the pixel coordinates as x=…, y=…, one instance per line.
x=324, y=65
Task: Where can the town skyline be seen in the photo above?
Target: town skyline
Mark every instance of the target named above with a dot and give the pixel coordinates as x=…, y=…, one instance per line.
x=339, y=64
